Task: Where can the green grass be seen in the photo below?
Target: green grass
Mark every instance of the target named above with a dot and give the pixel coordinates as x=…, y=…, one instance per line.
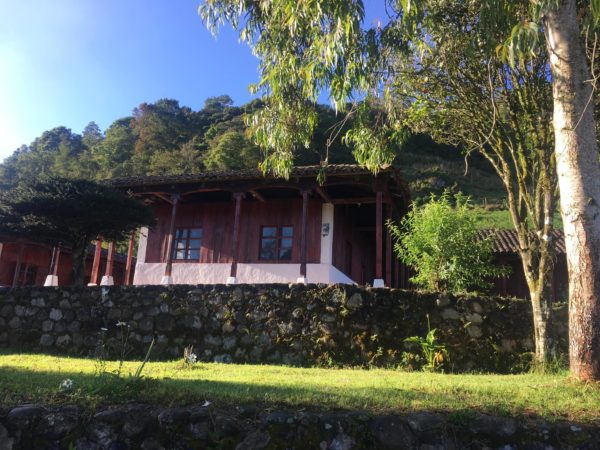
x=35, y=378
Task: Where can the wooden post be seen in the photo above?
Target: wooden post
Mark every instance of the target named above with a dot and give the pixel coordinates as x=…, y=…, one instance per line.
x=15, y=281
x=52, y=278
x=378, y=282
x=127, y=279
x=238, y=196
x=169, y=256
x=388, y=249
x=96, y=263
x=108, y=279
x=303, y=237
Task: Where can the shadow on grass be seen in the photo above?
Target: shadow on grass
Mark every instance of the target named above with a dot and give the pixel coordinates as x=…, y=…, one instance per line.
x=90, y=390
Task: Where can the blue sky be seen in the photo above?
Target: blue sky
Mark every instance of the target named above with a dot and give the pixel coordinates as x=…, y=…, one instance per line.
x=68, y=62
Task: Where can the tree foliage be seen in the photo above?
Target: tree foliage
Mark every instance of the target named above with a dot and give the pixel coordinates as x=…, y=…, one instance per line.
x=70, y=213
x=440, y=241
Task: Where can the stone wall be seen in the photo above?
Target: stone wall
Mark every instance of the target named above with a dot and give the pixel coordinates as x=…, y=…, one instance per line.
x=151, y=427
x=296, y=324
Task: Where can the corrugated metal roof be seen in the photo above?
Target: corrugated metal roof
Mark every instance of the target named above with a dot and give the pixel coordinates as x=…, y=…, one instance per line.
x=506, y=241
x=245, y=174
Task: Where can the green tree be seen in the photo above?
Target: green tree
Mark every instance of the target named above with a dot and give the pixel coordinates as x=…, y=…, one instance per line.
x=305, y=47
x=231, y=150
x=440, y=241
x=72, y=213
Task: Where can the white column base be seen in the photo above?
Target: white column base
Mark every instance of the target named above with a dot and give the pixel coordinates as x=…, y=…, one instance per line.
x=378, y=283
x=301, y=280
x=231, y=280
x=51, y=280
x=107, y=280
x=166, y=280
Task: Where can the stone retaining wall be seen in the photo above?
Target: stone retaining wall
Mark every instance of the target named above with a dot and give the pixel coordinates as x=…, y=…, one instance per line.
x=296, y=324
x=149, y=427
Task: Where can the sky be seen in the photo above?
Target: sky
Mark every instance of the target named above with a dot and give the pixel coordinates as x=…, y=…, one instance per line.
x=69, y=62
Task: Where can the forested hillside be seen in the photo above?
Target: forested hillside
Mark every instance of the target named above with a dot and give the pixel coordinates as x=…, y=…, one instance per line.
x=167, y=138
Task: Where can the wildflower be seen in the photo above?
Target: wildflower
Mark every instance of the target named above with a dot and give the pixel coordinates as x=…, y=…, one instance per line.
x=103, y=329
x=66, y=384
x=206, y=403
x=191, y=358
x=122, y=324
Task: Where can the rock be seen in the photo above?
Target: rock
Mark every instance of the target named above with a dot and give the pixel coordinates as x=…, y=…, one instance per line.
x=56, y=425
x=56, y=314
x=152, y=311
x=25, y=416
x=450, y=314
x=19, y=311
x=192, y=322
x=228, y=327
x=254, y=440
x=229, y=343
x=14, y=323
x=174, y=418
x=213, y=341
x=47, y=326
x=151, y=443
x=164, y=322
x=495, y=427
x=46, y=340
x=63, y=341
x=429, y=427
x=355, y=301
x=199, y=430
x=6, y=442
x=39, y=302
x=477, y=307
x=392, y=432
x=442, y=301
x=474, y=331
x=111, y=416
x=224, y=358
x=330, y=318
x=342, y=442
x=474, y=318
x=146, y=324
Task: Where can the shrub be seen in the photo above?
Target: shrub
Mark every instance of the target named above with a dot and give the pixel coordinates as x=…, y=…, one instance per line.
x=439, y=241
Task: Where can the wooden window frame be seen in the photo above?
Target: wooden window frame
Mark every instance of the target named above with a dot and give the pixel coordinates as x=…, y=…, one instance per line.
x=187, y=248
x=278, y=238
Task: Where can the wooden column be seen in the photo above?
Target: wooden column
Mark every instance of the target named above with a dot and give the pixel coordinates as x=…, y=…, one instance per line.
x=15, y=281
x=169, y=256
x=52, y=278
x=378, y=282
x=127, y=278
x=96, y=263
x=238, y=196
x=388, y=249
x=303, y=237
x=110, y=261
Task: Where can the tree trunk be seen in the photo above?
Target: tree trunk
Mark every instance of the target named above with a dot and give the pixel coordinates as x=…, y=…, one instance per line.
x=579, y=182
x=79, y=254
x=541, y=305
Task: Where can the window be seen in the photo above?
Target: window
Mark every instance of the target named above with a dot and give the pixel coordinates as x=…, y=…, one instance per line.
x=187, y=243
x=276, y=243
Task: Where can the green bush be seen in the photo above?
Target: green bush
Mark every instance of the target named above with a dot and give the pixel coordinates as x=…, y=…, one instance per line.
x=439, y=241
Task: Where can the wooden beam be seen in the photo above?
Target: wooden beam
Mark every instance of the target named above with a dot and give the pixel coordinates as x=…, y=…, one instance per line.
x=303, y=237
x=56, y=261
x=324, y=195
x=127, y=279
x=354, y=201
x=379, y=235
x=238, y=196
x=169, y=255
x=257, y=195
x=96, y=263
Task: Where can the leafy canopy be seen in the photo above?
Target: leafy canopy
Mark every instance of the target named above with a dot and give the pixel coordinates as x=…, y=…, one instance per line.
x=439, y=240
x=55, y=210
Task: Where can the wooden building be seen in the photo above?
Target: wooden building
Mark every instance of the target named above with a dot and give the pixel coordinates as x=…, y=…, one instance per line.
x=243, y=227
x=26, y=263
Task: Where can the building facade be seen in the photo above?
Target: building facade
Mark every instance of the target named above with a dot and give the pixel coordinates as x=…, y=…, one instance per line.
x=243, y=227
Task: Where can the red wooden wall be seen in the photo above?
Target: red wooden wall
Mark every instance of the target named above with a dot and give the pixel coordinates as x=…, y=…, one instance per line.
x=216, y=221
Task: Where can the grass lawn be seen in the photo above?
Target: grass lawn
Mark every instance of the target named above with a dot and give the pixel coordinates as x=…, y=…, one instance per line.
x=36, y=378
